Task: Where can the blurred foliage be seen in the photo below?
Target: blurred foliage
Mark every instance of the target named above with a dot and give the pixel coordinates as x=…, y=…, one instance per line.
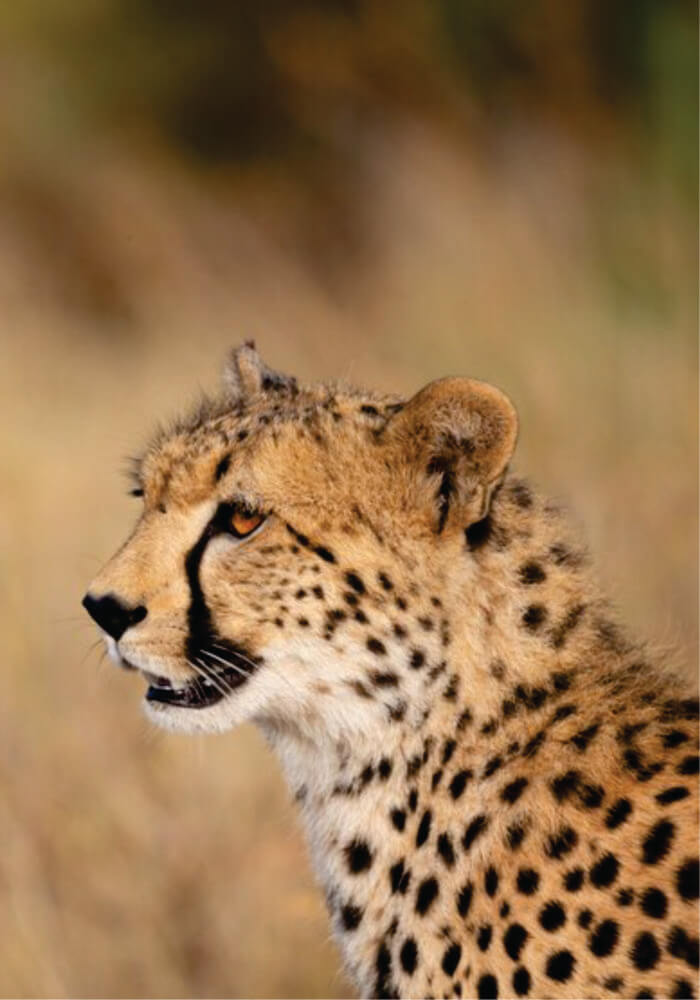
x=283, y=101
x=304, y=79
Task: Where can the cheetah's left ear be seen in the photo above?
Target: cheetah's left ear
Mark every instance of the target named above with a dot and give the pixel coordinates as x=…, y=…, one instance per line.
x=246, y=374
x=458, y=435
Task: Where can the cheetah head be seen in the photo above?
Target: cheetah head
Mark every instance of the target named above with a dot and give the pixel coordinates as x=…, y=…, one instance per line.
x=292, y=564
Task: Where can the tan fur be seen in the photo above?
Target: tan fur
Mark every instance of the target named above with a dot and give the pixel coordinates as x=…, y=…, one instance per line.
x=451, y=703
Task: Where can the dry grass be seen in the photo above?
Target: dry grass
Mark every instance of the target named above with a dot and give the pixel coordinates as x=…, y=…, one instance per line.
x=136, y=863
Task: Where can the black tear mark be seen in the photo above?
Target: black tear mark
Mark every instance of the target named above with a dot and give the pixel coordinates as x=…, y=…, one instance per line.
x=201, y=633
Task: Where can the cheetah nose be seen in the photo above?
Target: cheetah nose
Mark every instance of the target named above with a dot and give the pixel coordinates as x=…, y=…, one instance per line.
x=113, y=615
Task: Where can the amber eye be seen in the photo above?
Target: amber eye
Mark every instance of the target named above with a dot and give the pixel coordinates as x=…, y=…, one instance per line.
x=244, y=522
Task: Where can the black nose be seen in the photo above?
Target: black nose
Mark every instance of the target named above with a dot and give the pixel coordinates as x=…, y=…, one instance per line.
x=111, y=615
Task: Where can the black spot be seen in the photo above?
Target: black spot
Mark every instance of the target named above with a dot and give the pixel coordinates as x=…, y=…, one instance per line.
x=408, y=956
x=413, y=766
x=563, y=712
x=464, y=719
x=591, y=796
x=560, y=632
x=458, y=783
x=604, y=872
x=533, y=616
x=324, y=554
x=504, y=910
x=645, y=951
x=563, y=786
x=427, y=891
x=528, y=881
x=573, y=880
x=581, y=739
x=561, y=843
x=436, y=779
x=682, y=990
x=483, y=938
x=358, y=856
x=222, y=468
x=552, y=915
x=674, y=738
x=604, y=938
x=383, y=966
x=413, y=800
x=384, y=768
x=398, y=818
x=376, y=646
x=674, y=794
x=487, y=987
x=531, y=572
x=491, y=881
x=399, y=877
x=385, y=581
x=657, y=842
x=644, y=995
x=514, y=939
x=689, y=765
x=355, y=582
x=372, y=411
x=521, y=494
x=492, y=766
x=533, y=745
x=317, y=592
x=479, y=533
x=450, y=960
x=682, y=946
x=474, y=830
x=447, y=750
x=561, y=681
x=654, y=903
x=417, y=659
x=613, y=983
x=464, y=899
x=584, y=918
x=625, y=897
x=351, y=916
x=423, y=828
x=521, y=981
x=560, y=966
x=445, y=849
x=618, y=813
x=515, y=834
x=687, y=880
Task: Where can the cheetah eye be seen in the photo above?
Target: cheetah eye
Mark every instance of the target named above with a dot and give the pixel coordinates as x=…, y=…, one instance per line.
x=243, y=522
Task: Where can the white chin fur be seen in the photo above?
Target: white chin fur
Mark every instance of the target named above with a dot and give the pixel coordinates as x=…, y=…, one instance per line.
x=215, y=719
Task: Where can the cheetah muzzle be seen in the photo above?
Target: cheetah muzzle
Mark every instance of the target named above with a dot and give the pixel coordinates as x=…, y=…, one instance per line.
x=498, y=785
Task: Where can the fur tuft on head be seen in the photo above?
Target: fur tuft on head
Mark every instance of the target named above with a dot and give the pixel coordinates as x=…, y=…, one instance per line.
x=246, y=375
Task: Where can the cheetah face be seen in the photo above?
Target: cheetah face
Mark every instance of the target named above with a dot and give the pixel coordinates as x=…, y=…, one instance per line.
x=269, y=575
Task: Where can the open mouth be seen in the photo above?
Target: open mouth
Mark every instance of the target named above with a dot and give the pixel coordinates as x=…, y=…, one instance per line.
x=213, y=683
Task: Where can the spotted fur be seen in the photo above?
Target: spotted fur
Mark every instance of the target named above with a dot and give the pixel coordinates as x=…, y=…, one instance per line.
x=499, y=788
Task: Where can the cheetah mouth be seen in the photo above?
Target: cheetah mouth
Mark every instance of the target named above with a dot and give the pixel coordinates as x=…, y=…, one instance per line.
x=214, y=681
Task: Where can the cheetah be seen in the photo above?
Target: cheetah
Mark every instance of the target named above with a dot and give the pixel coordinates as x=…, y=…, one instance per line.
x=498, y=786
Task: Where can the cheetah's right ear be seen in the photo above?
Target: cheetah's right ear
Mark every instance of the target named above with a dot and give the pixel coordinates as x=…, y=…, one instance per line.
x=246, y=375
x=458, y=435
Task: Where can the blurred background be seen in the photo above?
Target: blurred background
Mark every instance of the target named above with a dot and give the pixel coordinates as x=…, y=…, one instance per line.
x=388, y=192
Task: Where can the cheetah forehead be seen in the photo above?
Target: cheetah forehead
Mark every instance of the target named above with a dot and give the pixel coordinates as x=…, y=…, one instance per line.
x=255, y=406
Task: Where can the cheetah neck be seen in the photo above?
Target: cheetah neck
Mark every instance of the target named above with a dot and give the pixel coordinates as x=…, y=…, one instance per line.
x=487, y=696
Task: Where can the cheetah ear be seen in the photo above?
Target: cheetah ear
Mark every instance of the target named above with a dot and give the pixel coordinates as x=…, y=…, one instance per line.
x=458, y=435
x=246, y=374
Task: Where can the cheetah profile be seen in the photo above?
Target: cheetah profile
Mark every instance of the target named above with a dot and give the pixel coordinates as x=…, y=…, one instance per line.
x=498, y=787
